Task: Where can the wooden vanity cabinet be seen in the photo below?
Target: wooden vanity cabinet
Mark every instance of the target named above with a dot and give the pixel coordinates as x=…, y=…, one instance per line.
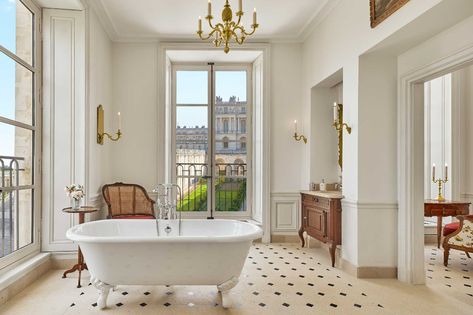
x=322, y=218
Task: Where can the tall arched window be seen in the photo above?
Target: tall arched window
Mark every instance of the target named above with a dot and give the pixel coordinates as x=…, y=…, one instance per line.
x=225, y=142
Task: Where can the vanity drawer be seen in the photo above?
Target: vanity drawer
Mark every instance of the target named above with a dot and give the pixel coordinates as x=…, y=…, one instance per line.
x=316, y=201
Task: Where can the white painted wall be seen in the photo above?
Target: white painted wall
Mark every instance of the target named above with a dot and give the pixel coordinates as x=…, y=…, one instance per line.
x=135, y=157
x=466, y=170
x=285, y=108
x=99, y=92
x=344, y=40
x=369, y=98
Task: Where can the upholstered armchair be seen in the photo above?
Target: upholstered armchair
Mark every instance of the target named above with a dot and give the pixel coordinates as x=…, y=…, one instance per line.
x=128, y=201
x=461, y=239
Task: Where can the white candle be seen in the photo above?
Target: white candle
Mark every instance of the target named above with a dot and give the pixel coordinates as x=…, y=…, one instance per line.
x=446, y=171
x=335, y=111
x=210, y=8
x=119, y=121
x=240, y=5
x=295, y=126
x=200, y=24
x=254, y=16
x=433, y=172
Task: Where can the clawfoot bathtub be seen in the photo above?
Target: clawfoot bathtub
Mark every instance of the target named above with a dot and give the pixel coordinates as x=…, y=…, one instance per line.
x=130, y=252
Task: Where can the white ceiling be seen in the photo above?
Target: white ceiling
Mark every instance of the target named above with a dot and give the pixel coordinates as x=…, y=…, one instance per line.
x=61, y=4
x=177, y=19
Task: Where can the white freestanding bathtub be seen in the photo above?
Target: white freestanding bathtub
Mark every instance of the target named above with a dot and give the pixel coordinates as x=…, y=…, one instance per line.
x=130, y=252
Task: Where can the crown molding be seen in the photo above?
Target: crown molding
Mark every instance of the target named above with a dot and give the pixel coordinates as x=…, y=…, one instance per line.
x=319, y=15
x=104, y=18
x=317, y=19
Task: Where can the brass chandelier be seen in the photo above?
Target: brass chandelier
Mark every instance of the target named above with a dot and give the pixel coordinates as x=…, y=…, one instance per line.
x=224, y=31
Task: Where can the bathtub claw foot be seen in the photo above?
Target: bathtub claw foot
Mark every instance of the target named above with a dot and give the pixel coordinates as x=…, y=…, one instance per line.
x=225, y=288
x=104, y=290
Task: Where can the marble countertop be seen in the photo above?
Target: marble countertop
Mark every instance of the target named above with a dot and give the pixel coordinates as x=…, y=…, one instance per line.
x=324, y=194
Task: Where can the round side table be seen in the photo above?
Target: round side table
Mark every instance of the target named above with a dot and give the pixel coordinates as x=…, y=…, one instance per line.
x=81, y=265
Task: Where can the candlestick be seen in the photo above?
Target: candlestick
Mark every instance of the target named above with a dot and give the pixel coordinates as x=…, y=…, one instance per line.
x=200, y=24
x=335, y=111
x=254, y=16
x=119, y=121
x=210, y=8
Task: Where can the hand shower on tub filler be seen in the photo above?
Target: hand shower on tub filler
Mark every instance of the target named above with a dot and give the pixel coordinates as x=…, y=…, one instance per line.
x=168, y=196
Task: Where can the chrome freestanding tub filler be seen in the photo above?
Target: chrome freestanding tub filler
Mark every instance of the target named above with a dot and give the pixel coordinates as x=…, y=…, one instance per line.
x=135, y=252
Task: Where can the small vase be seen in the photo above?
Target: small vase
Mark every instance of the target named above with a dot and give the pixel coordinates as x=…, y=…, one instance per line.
x=75, y=204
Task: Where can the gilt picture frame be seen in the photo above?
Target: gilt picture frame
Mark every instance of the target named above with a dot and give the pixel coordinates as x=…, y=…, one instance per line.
x=380, y=10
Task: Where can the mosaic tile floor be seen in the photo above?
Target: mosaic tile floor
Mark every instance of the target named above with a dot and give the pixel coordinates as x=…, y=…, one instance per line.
x=277, y=279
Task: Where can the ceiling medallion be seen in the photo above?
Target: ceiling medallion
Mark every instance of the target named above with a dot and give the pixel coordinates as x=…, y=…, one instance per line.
x=223, y=32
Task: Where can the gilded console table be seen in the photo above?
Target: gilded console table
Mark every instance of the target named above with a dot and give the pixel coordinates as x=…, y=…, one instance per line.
x=445, y=208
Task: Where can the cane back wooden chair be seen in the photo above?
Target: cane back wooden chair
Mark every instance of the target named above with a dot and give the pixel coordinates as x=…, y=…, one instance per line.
x=127, y=201
x=461, y=239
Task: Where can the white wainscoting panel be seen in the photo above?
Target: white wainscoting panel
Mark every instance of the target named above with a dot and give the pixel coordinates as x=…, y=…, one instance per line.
x=285, y=213
x=64, y=140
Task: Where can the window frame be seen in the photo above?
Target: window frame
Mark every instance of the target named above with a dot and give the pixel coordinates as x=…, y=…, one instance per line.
x=12, y=259
x=248, y=68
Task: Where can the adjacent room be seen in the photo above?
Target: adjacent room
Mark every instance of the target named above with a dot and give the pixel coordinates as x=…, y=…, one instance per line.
x=236, y=157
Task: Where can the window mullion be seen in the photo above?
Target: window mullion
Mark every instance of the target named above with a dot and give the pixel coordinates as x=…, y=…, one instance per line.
x=17, y=59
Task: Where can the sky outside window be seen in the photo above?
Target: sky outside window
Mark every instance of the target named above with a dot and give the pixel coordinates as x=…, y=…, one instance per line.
x=7, y=74
x=192, y=88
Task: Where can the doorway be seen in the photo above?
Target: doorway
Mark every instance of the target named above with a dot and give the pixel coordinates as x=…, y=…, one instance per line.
x=411, y=159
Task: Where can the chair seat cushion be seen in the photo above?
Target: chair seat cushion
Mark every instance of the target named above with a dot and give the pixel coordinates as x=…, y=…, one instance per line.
x=450, y=228
x=139, y=216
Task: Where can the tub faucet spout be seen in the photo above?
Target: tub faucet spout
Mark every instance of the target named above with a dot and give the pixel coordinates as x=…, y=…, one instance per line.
x=168, y=196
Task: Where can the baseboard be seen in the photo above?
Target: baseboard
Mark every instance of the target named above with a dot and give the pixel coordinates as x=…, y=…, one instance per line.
x=368, y=272
x=288, y=238
x=430, y=239
x=17, y=279
x=63, y=260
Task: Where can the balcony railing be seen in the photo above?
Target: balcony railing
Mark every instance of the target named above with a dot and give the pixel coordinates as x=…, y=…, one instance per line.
x=230, y=186
x=9, y=203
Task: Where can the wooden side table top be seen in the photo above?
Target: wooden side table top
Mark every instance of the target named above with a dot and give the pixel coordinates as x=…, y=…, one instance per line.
x=83, y=209
x=445, y=202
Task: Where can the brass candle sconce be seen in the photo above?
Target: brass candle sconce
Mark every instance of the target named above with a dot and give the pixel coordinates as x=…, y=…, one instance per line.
x=338, y=124
x=298, y=137
x=100, y=127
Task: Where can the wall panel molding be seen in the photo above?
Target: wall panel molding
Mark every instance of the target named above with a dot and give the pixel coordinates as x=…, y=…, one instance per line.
x=64, y=112
x=285, y=213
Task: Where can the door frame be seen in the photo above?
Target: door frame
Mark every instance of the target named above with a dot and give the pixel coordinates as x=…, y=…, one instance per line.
x=411, y=161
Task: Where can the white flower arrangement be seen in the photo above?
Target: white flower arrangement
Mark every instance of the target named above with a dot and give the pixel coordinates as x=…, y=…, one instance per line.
x=75, y=192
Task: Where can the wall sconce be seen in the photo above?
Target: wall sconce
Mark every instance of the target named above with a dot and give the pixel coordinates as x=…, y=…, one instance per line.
x=297, y=136
x=338, y=124
x=100, y=127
